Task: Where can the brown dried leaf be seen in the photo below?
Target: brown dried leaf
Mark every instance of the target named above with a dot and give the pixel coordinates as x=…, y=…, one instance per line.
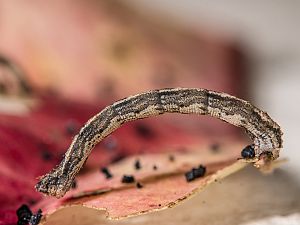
x=162, y=188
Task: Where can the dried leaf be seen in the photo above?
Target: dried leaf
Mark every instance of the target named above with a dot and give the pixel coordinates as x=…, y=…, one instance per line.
x=162, y=188
x=32, y=143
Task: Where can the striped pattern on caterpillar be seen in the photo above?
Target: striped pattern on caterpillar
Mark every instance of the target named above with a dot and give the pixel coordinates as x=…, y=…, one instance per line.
x=265, y=133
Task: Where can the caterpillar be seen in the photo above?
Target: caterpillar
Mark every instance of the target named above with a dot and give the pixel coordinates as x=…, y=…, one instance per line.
x=262, y=130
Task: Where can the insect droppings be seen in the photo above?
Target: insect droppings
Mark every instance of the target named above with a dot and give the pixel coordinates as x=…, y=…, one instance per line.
x=215, y=147
x=128, y=179
x=31, y=201
x=45, y=151
x=171, y=158
x=189, y=176
x=144, y=131
x=137, y=165
x=195, y=173
x=248, y=152
x=72, y=127
x=36, y=218
x=46, y=156
x=106, y=172
x=25, y=216
x=139, y=185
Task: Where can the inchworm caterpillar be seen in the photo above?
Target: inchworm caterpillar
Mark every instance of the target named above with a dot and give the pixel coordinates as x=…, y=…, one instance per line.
x=265, y=133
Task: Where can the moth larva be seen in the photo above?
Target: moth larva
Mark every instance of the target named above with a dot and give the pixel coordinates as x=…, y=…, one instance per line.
x=265, y=133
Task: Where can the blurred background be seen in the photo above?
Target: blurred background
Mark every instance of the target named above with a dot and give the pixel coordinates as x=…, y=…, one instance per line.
x=99, y=51
x=268, y=34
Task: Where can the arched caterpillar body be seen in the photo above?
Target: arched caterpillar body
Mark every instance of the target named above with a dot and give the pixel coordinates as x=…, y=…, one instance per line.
x=265, y=133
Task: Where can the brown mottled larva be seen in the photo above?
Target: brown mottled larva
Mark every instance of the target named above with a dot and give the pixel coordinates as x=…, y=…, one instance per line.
x=265, y=133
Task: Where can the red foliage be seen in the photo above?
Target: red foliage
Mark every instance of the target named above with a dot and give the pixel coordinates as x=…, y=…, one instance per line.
x=33, y=143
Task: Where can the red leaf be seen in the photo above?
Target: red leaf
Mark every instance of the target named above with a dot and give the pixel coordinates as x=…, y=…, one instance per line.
x=33, y=143
x=162, y=188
